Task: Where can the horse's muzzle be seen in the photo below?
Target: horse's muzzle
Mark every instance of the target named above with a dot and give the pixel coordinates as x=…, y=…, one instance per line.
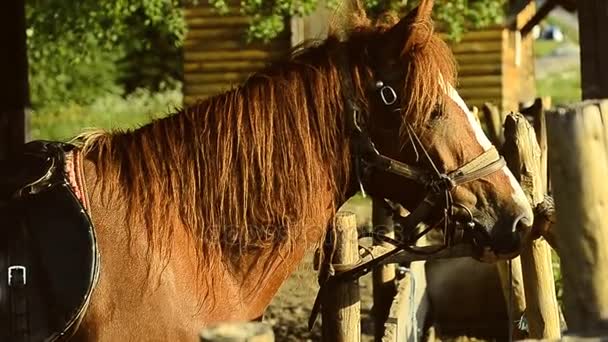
x=500, y=245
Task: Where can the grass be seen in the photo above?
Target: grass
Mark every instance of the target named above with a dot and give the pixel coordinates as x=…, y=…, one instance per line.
x=544, y=48
x=110, y=112
x=564, y=86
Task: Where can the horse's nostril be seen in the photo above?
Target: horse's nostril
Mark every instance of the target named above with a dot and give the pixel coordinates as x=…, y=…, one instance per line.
x=521, y=224
x=507, y=243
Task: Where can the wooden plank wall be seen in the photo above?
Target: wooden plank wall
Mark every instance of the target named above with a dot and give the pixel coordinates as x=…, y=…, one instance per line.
x=479, y=56
x=519, y=84
x=495, y=65
x=216, y=53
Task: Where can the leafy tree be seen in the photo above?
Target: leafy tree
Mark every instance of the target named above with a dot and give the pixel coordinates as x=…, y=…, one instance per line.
x=455, y=16
x=81, y=49
x=74, y=47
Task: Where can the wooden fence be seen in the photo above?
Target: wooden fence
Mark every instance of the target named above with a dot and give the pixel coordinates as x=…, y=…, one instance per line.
x=578, y=139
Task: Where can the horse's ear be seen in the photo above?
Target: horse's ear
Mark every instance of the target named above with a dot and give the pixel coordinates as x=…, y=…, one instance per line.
x=414, y=29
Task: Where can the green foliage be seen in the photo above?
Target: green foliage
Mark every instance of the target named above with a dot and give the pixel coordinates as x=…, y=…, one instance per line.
x=564, y=85
x=458, y=16
x=454, y=16
x=80, y=50
x=109, y=112
x=74, y=46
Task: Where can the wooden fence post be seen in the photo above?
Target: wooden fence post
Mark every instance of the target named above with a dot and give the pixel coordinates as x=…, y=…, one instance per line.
x=516, y=285
x=238, y=332
x=493, y=120
x=578, y=141
x=523, y=156
x=341, y=318
x=383, y=277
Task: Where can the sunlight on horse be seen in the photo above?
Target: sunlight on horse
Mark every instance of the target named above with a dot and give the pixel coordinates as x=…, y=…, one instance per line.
x=202, y=215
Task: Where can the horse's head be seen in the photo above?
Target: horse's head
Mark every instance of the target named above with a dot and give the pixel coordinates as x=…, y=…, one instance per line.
x=404, y=74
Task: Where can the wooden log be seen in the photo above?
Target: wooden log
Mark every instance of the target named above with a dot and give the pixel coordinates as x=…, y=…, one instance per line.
x=224, y=66
x=480, y=69
x=477, y=58
x=492, y=34
x=341, y=307
x=578, y=140
x=246, y=54
x=492, y=119
x=478, y=46
x=523, y=156
x=542, y=12
x=238, y=332
x=479, y=81
x=479, y=102
x=495, y=91
x=201, y=11
x=383, y=277
x=516, y=301
x=409, y=308
x=211, y=88
x=218, y=21
x=233, y=45
x=206, y=78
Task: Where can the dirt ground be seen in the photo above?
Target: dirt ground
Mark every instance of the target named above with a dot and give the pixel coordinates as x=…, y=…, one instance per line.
x=289, y=311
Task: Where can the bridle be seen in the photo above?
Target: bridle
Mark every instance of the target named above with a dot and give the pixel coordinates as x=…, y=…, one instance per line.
x=438, y=185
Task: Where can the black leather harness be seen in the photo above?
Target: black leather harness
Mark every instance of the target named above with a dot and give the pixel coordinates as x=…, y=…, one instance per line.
x=49, y=261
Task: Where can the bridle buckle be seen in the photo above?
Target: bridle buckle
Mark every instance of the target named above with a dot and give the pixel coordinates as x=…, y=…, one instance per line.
x=442, y=183
x=17, y=276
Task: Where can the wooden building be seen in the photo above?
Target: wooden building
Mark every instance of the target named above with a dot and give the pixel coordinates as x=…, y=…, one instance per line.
x=495, y=64
x=216, y=53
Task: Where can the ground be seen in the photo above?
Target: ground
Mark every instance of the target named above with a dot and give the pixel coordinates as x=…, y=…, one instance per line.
x=290, y=309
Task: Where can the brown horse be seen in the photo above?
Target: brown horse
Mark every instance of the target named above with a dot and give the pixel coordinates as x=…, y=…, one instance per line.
x=201, y=216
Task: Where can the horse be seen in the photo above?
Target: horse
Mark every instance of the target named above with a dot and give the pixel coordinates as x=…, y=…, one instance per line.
x=200, y=216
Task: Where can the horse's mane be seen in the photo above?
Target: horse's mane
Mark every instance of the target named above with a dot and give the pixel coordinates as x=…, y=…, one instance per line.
x=241, y=170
